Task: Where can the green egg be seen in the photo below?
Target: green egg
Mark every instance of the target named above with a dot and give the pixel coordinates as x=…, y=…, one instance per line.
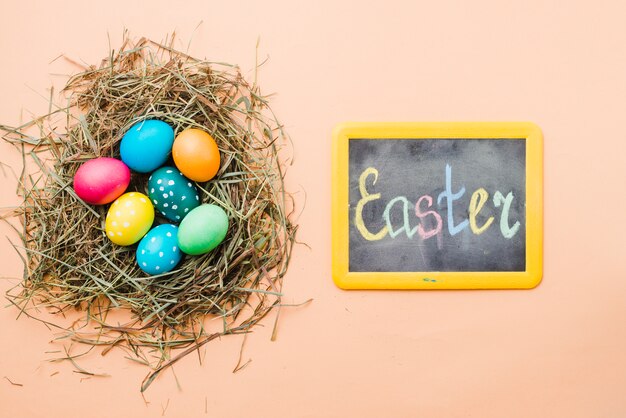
x=203, y=229
x=172, y=194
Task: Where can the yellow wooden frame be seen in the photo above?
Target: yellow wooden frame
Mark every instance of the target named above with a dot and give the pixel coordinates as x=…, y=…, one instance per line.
x=433, y=279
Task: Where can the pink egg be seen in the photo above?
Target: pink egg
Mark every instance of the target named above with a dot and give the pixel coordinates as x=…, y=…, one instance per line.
x=101, y=180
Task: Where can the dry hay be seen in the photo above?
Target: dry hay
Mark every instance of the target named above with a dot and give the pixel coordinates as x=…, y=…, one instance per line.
x=69, y=262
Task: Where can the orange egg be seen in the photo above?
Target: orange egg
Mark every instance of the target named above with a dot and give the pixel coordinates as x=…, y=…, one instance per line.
x=196, y=155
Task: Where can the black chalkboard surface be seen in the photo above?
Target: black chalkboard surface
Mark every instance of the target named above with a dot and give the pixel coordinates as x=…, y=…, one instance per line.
x=411, y=168
x=437, y=205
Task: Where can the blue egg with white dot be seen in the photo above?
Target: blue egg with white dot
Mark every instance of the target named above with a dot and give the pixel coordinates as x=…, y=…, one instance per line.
x=172, y=194
x=147, y=145
x=158, y=250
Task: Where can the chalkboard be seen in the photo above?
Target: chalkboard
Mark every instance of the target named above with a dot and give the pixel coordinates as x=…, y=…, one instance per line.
x=408, y=170
x=437, y=205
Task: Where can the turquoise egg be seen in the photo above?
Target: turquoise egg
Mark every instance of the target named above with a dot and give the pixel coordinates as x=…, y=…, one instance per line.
x=203, y=229
x=158, y=250
x=172, y=194
x=147, y=145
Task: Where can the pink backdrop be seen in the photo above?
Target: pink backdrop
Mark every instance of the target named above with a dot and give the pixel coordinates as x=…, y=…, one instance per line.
x=555, y=351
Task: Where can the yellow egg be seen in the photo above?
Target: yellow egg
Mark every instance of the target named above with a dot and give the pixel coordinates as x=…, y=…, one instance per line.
x=129, y=218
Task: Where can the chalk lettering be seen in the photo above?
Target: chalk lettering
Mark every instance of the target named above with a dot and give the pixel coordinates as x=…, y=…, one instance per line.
x=406, y=227
x=498, y=199
x=423, y=209
x=450, y=198
x=422, y=215
x=365, y=198
x=478, y=200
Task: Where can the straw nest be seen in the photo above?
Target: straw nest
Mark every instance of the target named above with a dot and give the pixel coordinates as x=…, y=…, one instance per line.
x=69, y=264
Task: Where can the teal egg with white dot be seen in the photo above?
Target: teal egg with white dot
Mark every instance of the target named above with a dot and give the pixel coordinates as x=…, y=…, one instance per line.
x=158, y=250
x=172, y=194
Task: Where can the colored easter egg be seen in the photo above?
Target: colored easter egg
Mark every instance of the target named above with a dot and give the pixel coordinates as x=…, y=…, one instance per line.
x=101, y=180
x=172, y=194
x=196, y=154
x=203, y=229
x=147, y=145
x=129, y=218
x=158, y=250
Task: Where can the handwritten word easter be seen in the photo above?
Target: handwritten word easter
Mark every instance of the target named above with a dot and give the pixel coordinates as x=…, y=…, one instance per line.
x=423, y=208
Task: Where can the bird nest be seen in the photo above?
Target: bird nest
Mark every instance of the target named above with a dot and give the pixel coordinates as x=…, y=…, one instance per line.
x=69, y=264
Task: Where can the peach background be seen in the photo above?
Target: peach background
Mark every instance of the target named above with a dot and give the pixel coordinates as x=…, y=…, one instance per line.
x=558, y=350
